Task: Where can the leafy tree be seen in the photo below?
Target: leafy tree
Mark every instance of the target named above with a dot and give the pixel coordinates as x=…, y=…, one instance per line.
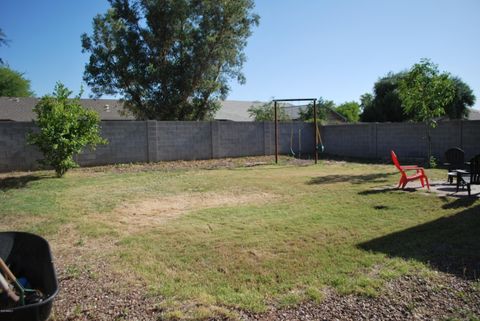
x=169, y=59
x=463, y=99
x=350, y=110
x=13, y=84
x=366, y=101
x=425, y=93
x=385, y=105
x=323, y=106
x=266, y=112
x=65, y=129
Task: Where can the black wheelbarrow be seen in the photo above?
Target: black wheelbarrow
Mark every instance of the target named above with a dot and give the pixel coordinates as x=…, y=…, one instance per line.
x=29, y=256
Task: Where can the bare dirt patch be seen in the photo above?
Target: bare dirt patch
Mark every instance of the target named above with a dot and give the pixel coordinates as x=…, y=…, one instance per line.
x=152, y=212
x=222, y=163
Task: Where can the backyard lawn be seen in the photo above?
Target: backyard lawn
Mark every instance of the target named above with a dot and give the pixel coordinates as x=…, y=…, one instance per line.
x=227, y=240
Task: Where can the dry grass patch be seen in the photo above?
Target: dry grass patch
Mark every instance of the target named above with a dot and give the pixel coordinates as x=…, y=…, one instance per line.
x=148, y=213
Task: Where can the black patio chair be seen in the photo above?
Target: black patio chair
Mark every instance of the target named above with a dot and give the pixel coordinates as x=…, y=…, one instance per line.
x=454, y=160
x=471, y=177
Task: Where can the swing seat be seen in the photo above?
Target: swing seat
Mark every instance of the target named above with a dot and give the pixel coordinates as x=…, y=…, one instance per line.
x=404, y=178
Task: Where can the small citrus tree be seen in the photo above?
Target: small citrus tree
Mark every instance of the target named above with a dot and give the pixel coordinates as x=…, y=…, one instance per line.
x=65, y=129
x=425, y=93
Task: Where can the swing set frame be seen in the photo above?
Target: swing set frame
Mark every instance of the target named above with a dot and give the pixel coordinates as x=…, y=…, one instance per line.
x=316, y=131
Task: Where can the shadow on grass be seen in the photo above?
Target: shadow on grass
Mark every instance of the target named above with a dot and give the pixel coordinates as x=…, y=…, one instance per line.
x=354, y=179
x=461, y=202
x=18, y=182
x=449, y=244
x=386, y=190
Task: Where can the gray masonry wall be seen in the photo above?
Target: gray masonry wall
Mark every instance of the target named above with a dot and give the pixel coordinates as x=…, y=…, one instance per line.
x=15, y=153
x=408, y=140
x=127, y=143
x=151, y=141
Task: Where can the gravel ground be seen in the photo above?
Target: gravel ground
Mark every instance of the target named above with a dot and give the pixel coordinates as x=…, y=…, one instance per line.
x=91, y=294
x=407, y=298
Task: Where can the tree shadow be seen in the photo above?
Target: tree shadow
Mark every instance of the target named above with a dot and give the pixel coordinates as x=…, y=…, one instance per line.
x=18, y=182
x=460, y=202
x=383, y=190
x=354, y=179
x=449, y=244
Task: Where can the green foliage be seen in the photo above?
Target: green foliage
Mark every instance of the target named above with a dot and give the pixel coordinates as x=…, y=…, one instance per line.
x=433, y=162
x=463, y=99
x=65, y=129
x=425, y=93
x=13, y=84
x=366, y=100
x=323, y=106
x=169, y=59
x=384, y=105
x=266, y=112
x=350, y=110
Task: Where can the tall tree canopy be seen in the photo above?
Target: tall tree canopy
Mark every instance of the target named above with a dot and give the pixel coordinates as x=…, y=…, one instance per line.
x=463, y=99
x=425, y=92
x=13, y=84
x=385, y=104
x=169, y=59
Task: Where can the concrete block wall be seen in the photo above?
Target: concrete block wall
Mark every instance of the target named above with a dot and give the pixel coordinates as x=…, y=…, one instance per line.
x=15, y=153
x=408, y=140
x=183, y=141
x=293, y=136
x=353, y=140
x=447, y=135
x=470, y=138
x=237, y=139
x=127, y=143
x=150, y=141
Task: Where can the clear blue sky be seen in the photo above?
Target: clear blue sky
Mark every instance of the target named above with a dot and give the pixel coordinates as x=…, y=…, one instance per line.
x=335, y=49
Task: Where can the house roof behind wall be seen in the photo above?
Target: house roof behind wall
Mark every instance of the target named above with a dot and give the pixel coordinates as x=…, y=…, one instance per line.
x=21, y=109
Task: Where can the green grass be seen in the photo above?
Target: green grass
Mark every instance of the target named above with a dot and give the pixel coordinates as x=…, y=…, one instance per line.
x=320, y=226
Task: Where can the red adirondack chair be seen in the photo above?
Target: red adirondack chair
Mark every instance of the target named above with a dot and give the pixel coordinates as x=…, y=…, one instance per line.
x=404, y=179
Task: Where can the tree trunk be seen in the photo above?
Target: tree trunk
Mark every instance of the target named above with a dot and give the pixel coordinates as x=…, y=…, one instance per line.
x=429, y=144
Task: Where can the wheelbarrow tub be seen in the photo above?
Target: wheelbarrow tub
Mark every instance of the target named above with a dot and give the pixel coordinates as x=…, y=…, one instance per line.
x=29, y=256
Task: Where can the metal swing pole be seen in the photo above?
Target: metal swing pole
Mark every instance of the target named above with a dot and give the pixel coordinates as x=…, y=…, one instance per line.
x=314, y=119
x=276, y=133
